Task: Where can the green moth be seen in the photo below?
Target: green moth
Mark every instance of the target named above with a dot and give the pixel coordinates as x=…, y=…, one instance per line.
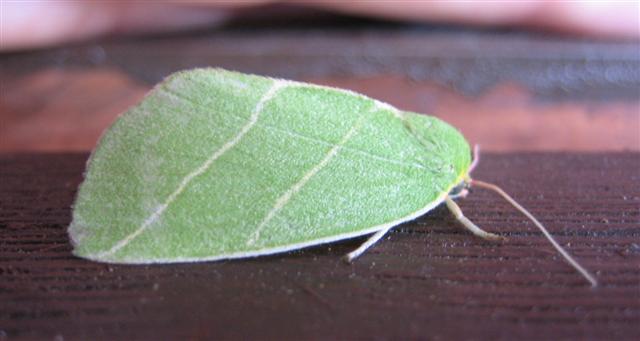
x=215, y=164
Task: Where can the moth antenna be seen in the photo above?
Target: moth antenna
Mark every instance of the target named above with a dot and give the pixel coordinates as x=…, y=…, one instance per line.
x=476, y=158
x=588, y=276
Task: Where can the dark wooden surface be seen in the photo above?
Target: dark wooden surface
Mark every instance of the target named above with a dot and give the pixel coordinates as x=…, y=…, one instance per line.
x=427, y=279
x=509, y=91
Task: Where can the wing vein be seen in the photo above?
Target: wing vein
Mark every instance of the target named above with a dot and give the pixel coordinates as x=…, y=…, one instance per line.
x=269, y=94
x=351, y=149
x=377, y=105
x=286, y=197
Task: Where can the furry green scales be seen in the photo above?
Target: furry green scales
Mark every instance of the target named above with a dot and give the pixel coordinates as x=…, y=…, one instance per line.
x=216, y=164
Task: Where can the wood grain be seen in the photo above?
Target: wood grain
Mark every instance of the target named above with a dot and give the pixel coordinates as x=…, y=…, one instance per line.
x=427, y=279
x=506, y=91
x=55, y=110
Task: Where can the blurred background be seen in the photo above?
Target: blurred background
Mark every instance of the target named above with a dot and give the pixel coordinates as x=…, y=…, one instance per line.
x=512, y=76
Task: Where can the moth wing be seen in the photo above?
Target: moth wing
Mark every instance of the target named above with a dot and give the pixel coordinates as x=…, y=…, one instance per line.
x=216, y=164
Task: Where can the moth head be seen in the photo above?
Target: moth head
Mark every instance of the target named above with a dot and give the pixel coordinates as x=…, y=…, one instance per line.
x=459, y=190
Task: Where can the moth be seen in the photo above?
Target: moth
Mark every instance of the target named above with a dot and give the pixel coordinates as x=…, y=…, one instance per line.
x=215, y=164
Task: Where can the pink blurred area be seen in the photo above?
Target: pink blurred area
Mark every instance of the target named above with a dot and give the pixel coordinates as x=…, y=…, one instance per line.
x=33, y=24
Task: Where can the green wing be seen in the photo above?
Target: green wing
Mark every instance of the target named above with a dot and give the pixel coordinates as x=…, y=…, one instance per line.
x=216, y=164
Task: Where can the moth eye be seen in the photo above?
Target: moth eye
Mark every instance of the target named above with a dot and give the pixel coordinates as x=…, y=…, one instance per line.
x=455, y=191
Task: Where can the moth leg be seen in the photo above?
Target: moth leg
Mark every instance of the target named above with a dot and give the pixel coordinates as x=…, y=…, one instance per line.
x=468, y=224
x=372, y=240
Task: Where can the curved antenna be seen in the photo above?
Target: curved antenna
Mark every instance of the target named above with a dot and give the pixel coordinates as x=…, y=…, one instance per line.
x=544, y=231
x=476, y=158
